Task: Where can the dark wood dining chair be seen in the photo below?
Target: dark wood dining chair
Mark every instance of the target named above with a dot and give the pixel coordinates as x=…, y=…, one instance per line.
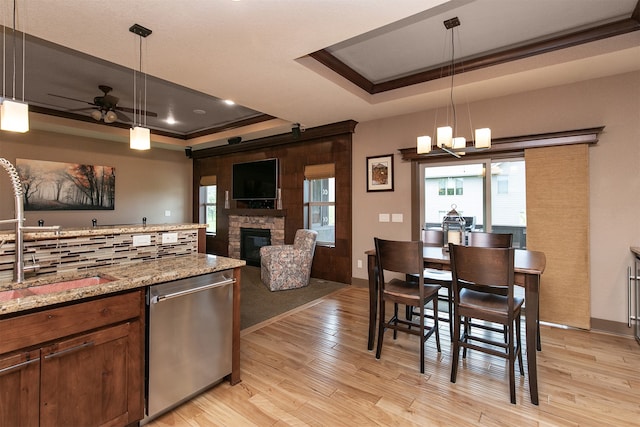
x=443, y=278
x=404, y=258
x=490, y=240
x=477, y=272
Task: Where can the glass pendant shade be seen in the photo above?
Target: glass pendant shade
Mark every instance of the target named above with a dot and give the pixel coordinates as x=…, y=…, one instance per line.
x=110, y=117
x=444, y=136
x=96, y=114
x=14, y=116
x=140, y=138
x=459, y=143
x=483, y=138
x=424, y=144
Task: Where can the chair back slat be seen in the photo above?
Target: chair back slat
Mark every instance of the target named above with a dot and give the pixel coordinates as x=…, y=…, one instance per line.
x=399, y=257
x=483, y=266
x=490, y=240
x=432, y=237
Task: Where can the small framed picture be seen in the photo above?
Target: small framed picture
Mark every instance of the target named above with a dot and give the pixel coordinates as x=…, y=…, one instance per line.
x=380, y=173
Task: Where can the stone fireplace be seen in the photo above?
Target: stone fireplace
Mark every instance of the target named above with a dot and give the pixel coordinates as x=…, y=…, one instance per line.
x=275, y=224
x=251, y=240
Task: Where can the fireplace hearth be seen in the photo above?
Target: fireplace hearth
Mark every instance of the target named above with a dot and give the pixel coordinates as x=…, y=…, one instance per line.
x=251, y=240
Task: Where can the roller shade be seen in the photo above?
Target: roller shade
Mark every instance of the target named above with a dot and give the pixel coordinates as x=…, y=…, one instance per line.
x=206, y=181
x=327, y=170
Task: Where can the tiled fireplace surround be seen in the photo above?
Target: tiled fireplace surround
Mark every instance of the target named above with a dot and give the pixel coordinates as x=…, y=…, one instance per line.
x=236, y=222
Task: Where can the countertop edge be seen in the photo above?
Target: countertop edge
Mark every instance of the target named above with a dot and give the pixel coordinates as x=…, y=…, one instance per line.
x=126, y=277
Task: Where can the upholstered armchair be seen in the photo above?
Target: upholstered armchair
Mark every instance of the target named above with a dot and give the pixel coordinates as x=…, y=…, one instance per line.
x=288, y=266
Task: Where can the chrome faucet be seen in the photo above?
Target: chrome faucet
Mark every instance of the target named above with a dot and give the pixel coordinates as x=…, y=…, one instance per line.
x=19, y=268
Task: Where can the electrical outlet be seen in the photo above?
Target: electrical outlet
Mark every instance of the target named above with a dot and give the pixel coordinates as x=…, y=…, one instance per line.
x=383, y=217
x=167, y=213
x=169, y=238
x=397, y=217
x=142, y=240
x=359, y=263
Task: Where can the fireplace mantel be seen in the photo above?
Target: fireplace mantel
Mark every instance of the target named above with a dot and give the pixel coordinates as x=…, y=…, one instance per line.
x=257, y=212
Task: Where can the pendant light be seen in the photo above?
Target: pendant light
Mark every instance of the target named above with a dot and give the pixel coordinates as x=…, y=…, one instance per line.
x=445, y=139
x=139, y=135
x=14, y=115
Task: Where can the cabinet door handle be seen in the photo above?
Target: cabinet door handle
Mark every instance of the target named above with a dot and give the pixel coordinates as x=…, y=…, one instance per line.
x=18, y=366
x=69, y=350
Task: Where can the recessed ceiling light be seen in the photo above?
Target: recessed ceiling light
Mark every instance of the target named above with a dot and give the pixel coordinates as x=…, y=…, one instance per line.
x=229, y=102
x=199, y=111
x=170, y=120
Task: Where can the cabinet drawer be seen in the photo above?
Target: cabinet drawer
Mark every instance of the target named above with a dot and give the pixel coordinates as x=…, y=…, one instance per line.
x=40, y=327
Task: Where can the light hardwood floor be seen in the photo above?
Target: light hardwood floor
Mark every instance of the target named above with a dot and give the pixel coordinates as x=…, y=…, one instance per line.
x=311, y=367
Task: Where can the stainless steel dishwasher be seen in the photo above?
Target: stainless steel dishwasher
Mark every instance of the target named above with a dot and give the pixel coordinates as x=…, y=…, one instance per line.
x=189, y=333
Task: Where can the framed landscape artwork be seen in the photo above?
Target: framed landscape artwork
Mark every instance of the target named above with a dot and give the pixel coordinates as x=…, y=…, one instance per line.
x=49, y=186
x=380, y=173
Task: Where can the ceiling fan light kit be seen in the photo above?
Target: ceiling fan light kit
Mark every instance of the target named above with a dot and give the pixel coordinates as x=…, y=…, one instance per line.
x=445, y=139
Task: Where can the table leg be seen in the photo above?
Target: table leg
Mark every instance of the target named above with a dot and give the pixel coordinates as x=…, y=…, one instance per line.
x=373, y=298
x=532, y=288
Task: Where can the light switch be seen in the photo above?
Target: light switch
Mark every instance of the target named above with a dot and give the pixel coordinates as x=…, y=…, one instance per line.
x=397, y=218
x=167, y=213
x=383, y=217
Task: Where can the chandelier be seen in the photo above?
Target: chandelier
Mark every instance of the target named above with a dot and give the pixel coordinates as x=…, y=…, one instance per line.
x=445, y=139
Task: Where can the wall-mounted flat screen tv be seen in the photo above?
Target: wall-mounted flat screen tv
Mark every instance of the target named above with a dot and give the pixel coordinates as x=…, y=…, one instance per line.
x=257, y=180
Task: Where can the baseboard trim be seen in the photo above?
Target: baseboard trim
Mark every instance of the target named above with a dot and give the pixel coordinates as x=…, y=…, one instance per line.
x=609, y=326
x=360, y=283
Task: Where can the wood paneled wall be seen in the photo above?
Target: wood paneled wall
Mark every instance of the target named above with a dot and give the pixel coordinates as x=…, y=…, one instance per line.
x=326, y=144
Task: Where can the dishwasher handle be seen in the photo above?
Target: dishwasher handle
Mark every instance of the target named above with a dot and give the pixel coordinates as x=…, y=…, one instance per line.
x=160, y=298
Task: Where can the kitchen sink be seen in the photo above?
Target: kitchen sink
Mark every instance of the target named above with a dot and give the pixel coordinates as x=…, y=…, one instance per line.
x=54, y=287
x=69, y=284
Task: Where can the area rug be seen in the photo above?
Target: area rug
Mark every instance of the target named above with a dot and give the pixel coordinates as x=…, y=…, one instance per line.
x=257, y=303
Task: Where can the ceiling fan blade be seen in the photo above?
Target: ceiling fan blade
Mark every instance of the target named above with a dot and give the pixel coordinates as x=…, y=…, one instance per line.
x=122, y=117
x=130, y=110
x=82, y=109
x=72, y=99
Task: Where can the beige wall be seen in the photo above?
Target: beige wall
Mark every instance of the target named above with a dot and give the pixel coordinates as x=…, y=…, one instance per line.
x=148, y=183
x=614, y=171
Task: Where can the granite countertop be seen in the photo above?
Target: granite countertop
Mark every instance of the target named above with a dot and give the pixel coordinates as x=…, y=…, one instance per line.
x=16, y=297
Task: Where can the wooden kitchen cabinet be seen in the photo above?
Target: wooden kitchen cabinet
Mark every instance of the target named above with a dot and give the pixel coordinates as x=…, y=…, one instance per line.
x=20, y=388
x=80, y=364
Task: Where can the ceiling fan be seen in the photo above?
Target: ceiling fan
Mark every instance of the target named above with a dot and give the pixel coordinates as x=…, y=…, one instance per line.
x=105, y=107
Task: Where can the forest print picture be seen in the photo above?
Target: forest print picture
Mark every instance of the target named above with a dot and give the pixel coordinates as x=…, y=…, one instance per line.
x=49, y=186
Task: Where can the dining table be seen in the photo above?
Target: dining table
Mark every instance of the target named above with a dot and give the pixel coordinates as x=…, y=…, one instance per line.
x=528, y=267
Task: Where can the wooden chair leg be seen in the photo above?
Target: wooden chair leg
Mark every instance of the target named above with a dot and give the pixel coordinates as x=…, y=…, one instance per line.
x=422, y=340
x=381, y=321
x=455, y=348
x=512, y=362
x=519, y=345
x=450, y=302
x=395, y=320
x=436, y=324
x=465, y=333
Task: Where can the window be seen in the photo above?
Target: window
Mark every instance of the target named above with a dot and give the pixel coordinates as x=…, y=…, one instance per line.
x=208, y=207
x=320, y=202
x=496, y=204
